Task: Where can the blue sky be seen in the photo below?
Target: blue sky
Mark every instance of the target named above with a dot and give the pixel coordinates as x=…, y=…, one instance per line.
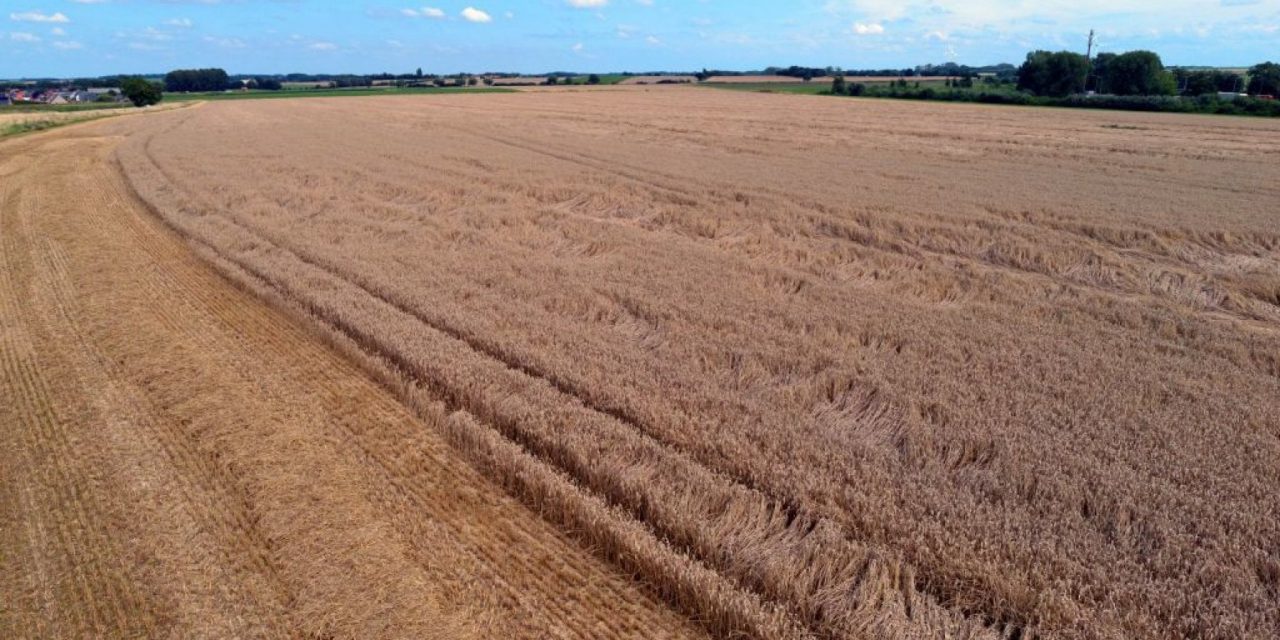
x=94, y=37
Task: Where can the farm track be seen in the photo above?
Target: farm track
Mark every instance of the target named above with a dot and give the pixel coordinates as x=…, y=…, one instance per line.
x=181, y=461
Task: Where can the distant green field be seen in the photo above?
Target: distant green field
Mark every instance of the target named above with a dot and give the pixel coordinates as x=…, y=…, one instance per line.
x=815, y=87
x=605, y=78
x=807, y=88
x=62, y=108
x=328, y=93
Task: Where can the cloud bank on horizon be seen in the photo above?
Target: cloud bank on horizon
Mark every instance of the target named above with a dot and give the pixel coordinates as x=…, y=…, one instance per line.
x=59, y=38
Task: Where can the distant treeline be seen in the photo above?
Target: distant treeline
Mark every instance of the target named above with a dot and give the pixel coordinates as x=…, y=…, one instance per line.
x=1131, y=81
x=206, y=80
x=1136, y=73
x=40, y=84
x=1209, y=103
x=949, y=69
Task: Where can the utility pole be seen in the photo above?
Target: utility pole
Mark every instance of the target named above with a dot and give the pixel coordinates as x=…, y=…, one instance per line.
x=1088, y=56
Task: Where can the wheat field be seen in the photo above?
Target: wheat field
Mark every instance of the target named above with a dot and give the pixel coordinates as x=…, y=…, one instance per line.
x=802, y=367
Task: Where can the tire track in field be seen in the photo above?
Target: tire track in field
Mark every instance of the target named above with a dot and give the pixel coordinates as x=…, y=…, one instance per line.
x=209, y=520
x=51, y=505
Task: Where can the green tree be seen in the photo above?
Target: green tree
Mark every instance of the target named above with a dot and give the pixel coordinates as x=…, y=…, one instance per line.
x=1098, y=73
x=838, y=86
x=1264, y=79
x=1200, y=82
x=593, y=78
x=141, y=92
x=1139, y=73
x=1050, y=73
x=418, y=73
x=196, y=80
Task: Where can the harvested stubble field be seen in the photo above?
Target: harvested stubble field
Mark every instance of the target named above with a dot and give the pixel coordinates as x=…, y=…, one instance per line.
x=803, y=366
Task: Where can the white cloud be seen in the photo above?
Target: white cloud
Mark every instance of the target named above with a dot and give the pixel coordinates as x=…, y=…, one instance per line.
x=425, y=12
x=89, y=1
x=472, y=14
x=18, y=36
x=36, y=16
x=577, y=48
x=587, y=4
x=323, y=46
x=1071, y=18
x=653, y=40
x=67, y=45
x=152, y=33
x=868, y=29
x=226, y=43
x=183, y=23
x=58, y=31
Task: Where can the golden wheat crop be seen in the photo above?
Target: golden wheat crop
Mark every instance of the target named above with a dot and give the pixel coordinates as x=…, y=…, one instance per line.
x=842, y=367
